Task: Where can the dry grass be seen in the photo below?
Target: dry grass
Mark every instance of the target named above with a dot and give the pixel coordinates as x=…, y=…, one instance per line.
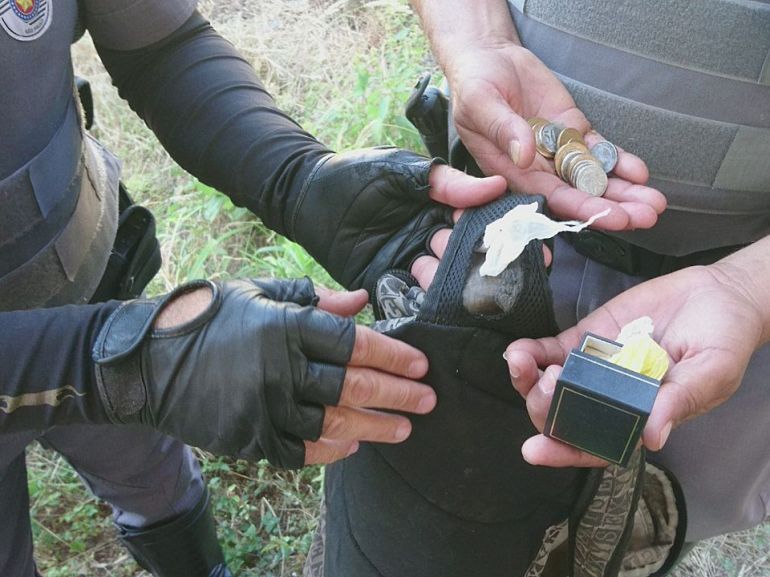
x=330, y=64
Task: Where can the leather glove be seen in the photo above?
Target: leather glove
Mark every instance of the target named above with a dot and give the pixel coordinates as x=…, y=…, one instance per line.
x=248, y=377
x=361, y=213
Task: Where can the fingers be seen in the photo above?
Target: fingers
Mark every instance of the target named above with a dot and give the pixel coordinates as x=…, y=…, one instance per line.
x=325, y=451
x=629, y=166
x=378, y=351
x=523, y=370
x=424, y=270
x=367, y=388
x=692, y=387
x=455, y=188
x=299, y=291
x=497, y=123
x=540, y=396
x=348, y=424
x=541, y=352
x=341, y=303
x=540, y=450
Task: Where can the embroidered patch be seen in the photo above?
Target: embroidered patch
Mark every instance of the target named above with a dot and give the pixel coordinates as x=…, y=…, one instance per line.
x=25, y=20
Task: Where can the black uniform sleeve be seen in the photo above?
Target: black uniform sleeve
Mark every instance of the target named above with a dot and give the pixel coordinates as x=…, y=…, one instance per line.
x=46, y=373
x=207, y=107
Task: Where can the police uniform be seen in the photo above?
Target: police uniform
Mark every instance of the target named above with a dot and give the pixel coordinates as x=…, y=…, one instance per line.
x=686, y=86
x=58, y=215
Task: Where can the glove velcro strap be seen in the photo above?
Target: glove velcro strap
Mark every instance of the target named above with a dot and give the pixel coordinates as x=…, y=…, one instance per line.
x=116, y=351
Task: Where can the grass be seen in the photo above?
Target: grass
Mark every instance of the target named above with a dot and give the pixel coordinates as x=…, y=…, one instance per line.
x=344, y=70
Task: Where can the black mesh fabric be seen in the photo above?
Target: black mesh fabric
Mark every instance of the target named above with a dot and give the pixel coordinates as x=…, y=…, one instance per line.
x=456, y=499
x=530, y=312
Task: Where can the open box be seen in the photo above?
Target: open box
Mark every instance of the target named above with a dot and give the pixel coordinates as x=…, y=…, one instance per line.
x=599, y=407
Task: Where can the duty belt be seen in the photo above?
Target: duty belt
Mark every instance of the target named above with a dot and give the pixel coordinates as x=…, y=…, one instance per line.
x=634, y=260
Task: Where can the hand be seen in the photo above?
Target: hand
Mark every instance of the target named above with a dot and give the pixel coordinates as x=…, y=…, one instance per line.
x=373, y=379
x=256, y=371
x=364, y=212
x=495, y=88
x=707, y=322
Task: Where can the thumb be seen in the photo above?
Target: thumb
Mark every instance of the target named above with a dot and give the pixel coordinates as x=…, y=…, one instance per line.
x=460, y=190
x=688, y=390
x=503, y=127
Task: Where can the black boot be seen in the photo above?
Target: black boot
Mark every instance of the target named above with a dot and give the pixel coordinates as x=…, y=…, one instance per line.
x=184, y=547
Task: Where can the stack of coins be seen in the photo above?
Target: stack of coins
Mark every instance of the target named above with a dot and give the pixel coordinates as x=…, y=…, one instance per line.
x=582, y=168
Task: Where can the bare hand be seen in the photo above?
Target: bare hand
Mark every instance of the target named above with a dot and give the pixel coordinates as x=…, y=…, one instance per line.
x=708, y=324
x=380, y=375
x=495, y=89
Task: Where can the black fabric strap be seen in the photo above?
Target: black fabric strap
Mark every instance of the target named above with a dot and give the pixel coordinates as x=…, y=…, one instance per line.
x=634, y=260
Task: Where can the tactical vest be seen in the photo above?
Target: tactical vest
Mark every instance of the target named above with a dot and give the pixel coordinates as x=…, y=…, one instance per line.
x=58, y=217
x=685, y=85
x=58, y=187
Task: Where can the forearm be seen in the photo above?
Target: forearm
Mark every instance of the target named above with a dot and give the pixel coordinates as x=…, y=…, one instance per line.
x=46, y=371
x=453, y=25
x=748, y=272
x=212, y=114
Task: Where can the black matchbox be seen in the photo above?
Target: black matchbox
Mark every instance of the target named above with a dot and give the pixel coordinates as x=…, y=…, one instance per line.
x=599, y=407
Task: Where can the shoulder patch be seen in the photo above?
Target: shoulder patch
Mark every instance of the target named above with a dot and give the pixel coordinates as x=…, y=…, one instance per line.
x=25, y=20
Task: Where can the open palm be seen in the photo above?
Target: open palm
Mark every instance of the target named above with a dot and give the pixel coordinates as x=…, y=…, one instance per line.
x=495, y=90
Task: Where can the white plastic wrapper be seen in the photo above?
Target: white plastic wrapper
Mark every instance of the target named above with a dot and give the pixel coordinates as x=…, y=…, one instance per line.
x=641, y=327
x=506, y=238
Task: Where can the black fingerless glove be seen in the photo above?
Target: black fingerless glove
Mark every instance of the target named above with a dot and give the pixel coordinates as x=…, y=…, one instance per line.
x=363, y=212
x=248, y=377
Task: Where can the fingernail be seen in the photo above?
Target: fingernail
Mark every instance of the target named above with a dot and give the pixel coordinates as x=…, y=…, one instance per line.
x=664, y=434
x=403, y=431
x=426, y=404
x=513, y=371
x=526, y=453
x=353, y=448
x=418, y=368
x=515, y=150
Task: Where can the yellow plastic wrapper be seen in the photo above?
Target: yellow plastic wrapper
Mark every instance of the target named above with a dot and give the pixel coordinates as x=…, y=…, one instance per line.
x=640, y=353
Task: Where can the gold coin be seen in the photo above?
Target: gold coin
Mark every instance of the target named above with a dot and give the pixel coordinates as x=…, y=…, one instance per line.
x=569, y=135
x=536, y=120
x=540, y=141
x=564, y=151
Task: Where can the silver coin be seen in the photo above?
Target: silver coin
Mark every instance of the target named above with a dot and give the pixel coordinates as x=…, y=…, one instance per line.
x=550, y=133
x=606, y=153
x=590, y=178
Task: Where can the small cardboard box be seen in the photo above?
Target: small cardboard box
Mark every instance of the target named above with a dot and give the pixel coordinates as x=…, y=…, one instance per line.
x=598, y=406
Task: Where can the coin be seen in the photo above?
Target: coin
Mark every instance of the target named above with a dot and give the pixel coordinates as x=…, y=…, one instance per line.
x=540, y=141
x=589, y=176
x=606, y=153
x=571, y=161
x=564, y=151
x=550, y=135
x=569, y=135
x=536, y=120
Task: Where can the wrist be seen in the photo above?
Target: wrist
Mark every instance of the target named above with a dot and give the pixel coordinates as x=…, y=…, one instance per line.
x=747, y=272
x=456, y=26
